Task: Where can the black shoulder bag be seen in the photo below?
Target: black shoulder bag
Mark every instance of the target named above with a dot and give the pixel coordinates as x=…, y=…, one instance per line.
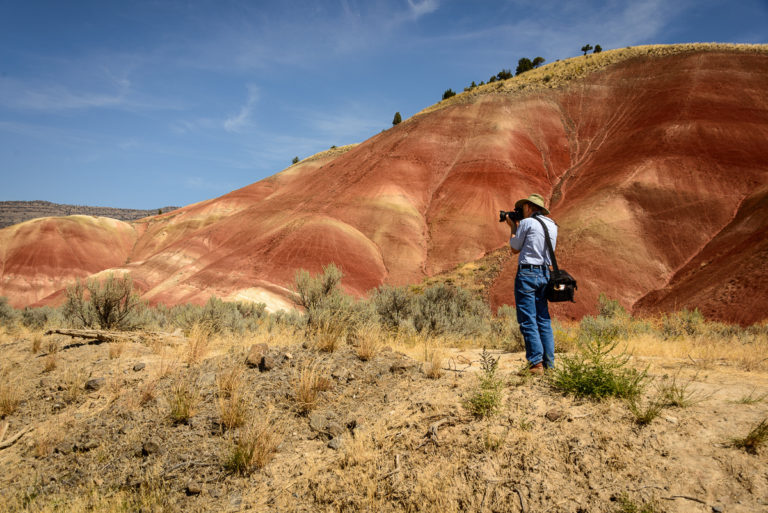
x=561, y=285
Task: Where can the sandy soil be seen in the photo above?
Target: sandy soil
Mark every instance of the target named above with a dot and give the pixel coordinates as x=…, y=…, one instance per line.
x=543, y=450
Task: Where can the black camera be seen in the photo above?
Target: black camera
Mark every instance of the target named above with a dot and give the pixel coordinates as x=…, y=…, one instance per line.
x=514, y=215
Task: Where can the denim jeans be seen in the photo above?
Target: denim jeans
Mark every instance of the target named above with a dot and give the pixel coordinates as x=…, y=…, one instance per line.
x=533, y=316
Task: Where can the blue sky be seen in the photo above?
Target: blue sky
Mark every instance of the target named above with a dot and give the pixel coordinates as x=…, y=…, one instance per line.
x=147, y=103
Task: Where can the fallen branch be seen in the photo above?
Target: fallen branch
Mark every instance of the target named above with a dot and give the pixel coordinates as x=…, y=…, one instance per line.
x=12, y=440
x=113, y=336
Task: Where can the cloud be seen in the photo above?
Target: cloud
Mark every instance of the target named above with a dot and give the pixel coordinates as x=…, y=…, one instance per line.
x=419, y=9
x=242, y=119
x=19, y=95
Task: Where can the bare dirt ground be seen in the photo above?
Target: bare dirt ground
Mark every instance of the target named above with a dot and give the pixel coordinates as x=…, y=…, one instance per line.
x=382, y=436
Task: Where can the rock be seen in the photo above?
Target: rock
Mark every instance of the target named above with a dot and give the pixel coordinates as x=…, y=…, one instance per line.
x=335, y=443
x=717, y=509
x=95, y=383
x=553, y=415
x=255, y=354
x=150, y=447
x=64, y=448
x=401, y=366
x=58, y=406
x=318, y=422
x=139, y=366
x=268, y=362
x=335, y=429
x=288, y=356
x=194, y=489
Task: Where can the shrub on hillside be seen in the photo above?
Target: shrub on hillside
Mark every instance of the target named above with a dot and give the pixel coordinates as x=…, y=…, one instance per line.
x=684, y=323
x=523, y=65
x=39, y=318
x=111, y=303
x=448, y=93
x=8, y=314
x=446, y=309
x=393, y=305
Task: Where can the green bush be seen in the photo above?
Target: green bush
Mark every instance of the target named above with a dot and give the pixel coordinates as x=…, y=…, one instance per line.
x=448, y=93
x=446, y=309
x=8, y=314
x=597, y=371
x=111, y=304
x=523, y=65
x=39, y=318
x=681, y=324
x=393, y=305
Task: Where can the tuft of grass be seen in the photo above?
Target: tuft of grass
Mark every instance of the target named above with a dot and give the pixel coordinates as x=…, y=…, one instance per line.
x=598, y=371
x=433, y=367
x=645, y=413
x=74, y=384
x=148, y=391
x=198, y=342
x=486, y=400
x=183, y=398
x=678, y=394
x=116, y=349
x=368, y=342
x=254, y=446
x=307, y=386
x=627, y=505
x=755, y=439
x=10, y=396
x=751, y=398
x=231, y=399
x=37, y=342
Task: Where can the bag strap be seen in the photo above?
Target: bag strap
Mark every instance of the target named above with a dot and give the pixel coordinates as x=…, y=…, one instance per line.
x=549, y=242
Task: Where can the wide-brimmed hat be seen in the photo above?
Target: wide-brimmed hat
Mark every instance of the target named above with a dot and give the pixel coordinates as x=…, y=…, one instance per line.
x=535, y=199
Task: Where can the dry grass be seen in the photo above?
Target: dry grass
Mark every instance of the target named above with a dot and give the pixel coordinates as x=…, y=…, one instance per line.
x=704, y=351
x=74, y=383
x=369, y=342
x=255, y=444
x=329, y=334
x=147, y=391
x=37, y=342
x=433, y=366
x=231, y=397
x=117, y=349
x=307, y=386
x=183, y=398
x=50, y=362
x=559, y=73
x=10, y=395
x=198, y=343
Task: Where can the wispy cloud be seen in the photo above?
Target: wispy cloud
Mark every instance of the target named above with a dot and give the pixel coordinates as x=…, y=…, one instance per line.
x=419, y=9
x=242, y=119
x=19, y=95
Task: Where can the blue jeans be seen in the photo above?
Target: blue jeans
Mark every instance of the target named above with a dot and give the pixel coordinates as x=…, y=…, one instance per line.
x=533, y=316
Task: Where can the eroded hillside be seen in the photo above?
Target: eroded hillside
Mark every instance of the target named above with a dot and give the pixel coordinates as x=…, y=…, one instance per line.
x=654, y=168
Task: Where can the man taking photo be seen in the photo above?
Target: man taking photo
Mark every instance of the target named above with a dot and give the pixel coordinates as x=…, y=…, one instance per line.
x=528, y=240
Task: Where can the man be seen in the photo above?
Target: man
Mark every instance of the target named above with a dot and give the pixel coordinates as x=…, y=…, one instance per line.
x=527, y=240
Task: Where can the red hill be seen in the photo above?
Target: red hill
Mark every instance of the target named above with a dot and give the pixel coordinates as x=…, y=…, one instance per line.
x=655, y=165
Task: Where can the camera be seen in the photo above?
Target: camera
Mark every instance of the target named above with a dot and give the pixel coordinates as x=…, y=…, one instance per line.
x=514, y=215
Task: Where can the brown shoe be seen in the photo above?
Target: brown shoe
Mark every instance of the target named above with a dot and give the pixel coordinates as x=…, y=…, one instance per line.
x=536, y=369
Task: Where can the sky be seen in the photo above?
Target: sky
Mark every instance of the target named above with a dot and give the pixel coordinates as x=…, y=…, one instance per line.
x=151, y=103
